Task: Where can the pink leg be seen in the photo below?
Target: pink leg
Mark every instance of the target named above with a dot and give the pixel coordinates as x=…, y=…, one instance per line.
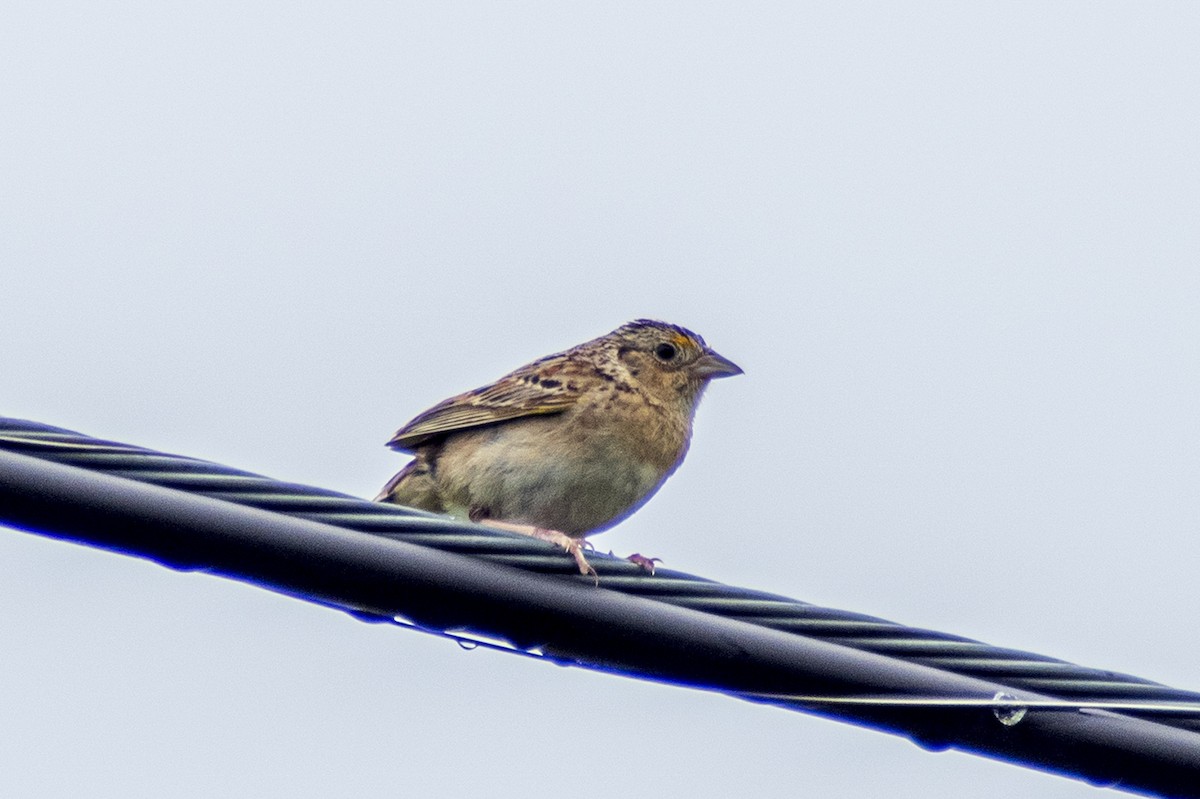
x=641, y=560
x=574, y=547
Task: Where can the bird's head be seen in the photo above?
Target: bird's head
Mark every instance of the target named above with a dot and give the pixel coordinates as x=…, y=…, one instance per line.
x=669, y=359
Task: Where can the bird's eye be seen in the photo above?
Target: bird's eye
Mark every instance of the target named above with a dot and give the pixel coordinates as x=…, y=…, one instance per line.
x=665, y=352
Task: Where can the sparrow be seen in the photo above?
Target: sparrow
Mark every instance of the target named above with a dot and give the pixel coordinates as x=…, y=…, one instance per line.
x=566, y=446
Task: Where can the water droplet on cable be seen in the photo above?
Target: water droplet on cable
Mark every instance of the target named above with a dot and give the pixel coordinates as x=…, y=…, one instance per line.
x=1008, y=715
x=465, y=644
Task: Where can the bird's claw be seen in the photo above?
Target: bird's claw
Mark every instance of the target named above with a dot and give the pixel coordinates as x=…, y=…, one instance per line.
x=585, y=568
x=573, y=547
x=647, y=564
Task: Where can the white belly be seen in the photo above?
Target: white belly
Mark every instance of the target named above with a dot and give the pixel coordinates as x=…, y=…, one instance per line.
x=515, y=473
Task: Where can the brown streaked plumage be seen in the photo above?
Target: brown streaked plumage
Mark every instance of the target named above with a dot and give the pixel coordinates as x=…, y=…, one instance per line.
x=565, y=446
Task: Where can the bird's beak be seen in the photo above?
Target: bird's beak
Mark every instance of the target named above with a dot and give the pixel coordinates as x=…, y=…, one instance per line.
x=711, y=365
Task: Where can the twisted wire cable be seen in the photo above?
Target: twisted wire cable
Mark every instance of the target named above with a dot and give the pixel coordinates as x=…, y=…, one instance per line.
x=1072, y=685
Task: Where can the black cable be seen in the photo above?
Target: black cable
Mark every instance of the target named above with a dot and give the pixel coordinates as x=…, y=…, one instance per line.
x=192, y=514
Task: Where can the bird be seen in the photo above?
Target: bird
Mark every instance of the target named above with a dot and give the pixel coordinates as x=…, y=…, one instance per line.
x=566, y=446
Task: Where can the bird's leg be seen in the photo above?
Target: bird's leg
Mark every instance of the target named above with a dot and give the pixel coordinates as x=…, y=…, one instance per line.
x=643, y=561
x=574, y=547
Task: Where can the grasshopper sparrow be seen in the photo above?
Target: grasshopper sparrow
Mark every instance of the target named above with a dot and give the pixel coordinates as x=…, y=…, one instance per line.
x=566, y=446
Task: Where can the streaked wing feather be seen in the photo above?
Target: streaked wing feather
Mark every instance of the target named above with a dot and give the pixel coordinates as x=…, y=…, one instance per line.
x=511, y=397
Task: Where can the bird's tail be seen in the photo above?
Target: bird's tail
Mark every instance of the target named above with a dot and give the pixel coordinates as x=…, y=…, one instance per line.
x=413, y=486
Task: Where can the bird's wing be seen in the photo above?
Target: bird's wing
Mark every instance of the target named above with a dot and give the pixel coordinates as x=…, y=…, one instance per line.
x=540, y=388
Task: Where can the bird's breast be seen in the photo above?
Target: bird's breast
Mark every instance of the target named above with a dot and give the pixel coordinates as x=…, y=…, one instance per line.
x=575, y=472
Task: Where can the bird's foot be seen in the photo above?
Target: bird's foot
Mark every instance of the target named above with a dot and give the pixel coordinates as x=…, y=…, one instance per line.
x=573, y=546
x=646, y=563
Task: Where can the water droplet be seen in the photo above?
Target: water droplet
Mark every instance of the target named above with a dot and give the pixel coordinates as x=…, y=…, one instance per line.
x=1008, y=715
x=465, y=644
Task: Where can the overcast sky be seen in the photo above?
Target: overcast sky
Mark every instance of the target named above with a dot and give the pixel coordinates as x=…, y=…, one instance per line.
x=956, y=248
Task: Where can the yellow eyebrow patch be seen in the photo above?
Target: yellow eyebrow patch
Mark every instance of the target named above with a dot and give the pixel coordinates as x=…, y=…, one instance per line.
x=682, y=340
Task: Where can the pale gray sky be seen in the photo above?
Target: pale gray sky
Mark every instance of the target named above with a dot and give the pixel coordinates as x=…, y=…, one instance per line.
x=955, y=247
